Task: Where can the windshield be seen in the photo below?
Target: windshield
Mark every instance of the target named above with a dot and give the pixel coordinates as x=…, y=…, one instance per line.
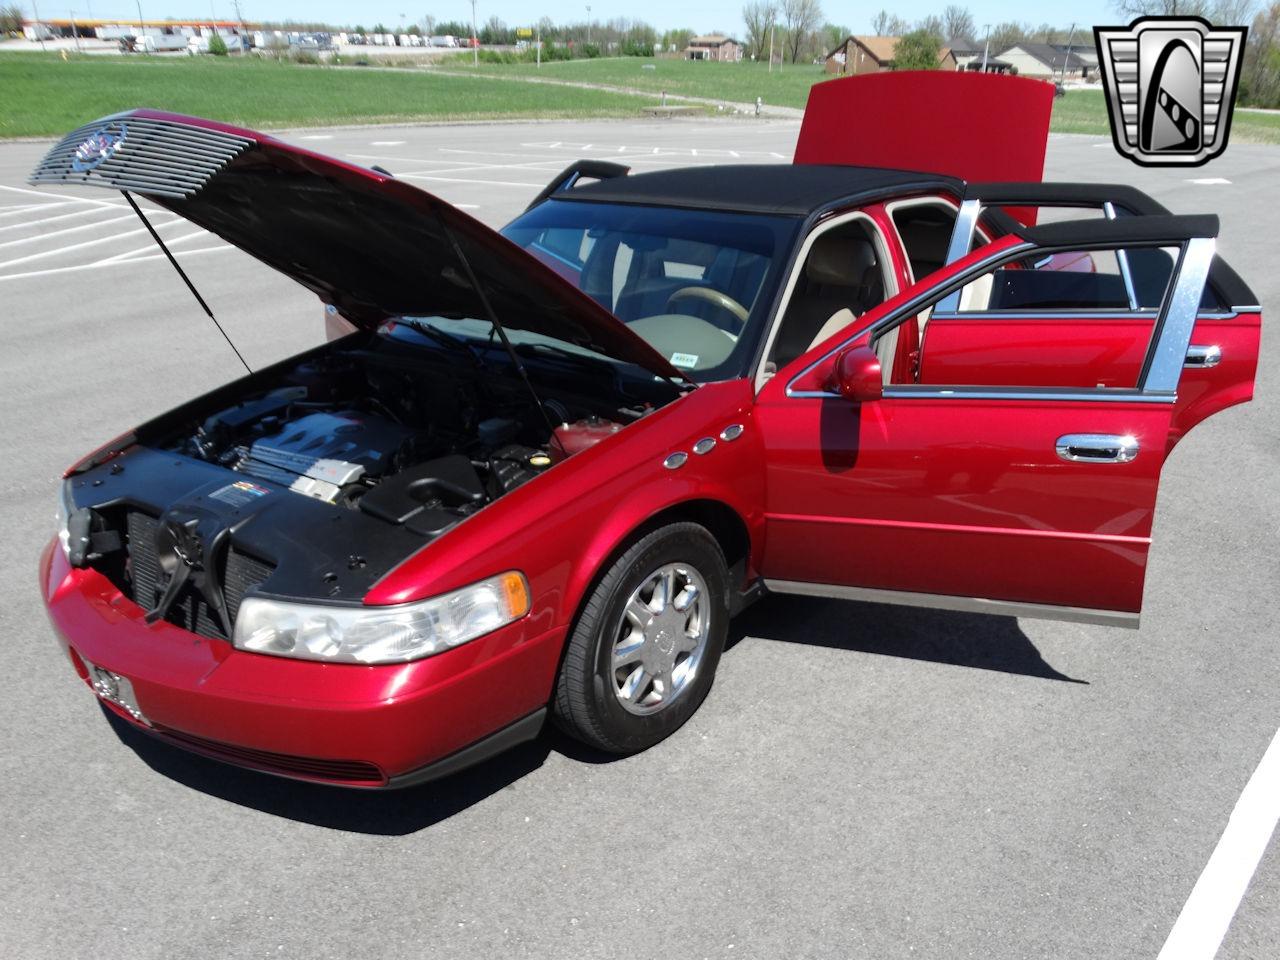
x=694, y=284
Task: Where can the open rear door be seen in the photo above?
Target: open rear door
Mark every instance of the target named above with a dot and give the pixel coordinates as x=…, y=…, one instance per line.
x=975, y=126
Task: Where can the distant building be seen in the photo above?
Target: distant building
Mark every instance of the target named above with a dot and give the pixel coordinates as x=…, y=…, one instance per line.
x=1048, y=60
x=713, y=47
x=969, y=56
x=861, y=54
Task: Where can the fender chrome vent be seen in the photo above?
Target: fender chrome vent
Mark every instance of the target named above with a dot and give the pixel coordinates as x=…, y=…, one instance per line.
x=158, y=158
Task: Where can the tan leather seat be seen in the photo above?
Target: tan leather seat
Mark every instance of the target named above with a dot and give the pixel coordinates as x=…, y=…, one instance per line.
x=841, y=273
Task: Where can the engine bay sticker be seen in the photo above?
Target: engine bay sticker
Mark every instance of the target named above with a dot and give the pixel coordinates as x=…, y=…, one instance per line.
x=239, y=493
x=684, y=359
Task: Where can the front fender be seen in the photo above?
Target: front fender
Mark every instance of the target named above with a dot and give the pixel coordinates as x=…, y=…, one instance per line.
x=560, y=527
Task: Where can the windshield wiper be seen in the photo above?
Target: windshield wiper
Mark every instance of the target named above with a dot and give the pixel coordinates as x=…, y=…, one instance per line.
x=444, y=338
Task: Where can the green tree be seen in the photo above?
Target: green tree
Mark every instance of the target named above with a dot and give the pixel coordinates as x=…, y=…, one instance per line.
x=217, y=46
x=10, y=19
x=917, y=50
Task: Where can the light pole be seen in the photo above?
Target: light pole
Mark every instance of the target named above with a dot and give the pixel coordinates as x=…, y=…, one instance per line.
x=1070, y=36
x=475, y=41
x=39, y=33
x=588, y=23
x=770, y=70
x=986, y=48
x=142, y=30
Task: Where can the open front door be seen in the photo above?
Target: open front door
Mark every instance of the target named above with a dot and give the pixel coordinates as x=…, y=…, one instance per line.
x=1222, y=356
x=978, y=482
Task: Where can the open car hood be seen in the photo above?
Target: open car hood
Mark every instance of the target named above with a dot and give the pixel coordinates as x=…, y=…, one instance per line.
x=372, y=246
x=980, y=127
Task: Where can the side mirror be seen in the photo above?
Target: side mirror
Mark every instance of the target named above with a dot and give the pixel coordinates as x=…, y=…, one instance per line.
x=857, y=375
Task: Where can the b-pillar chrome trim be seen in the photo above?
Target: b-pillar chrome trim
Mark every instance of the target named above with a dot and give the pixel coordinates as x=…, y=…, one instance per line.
x=936, y=601
x=1164, y=365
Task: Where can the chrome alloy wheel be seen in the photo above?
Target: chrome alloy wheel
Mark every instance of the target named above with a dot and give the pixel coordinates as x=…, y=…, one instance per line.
x=660, y=638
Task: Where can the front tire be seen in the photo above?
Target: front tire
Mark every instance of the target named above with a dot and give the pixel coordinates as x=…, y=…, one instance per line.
x=643, y=654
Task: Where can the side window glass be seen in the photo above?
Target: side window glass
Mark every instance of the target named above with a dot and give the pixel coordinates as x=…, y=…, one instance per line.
x=925, y=231
x=1076, y=280
x=1059, y=319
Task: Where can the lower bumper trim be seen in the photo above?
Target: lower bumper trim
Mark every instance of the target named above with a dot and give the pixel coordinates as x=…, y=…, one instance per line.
x=523, y=730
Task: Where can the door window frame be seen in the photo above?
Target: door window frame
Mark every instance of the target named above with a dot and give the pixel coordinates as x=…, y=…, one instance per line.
x=883, y=254
x=1161, y=368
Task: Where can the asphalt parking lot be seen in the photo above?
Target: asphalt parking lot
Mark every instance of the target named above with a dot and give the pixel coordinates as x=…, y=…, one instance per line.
x=863, y=781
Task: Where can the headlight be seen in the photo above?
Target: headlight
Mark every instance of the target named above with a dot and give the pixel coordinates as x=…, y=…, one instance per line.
x=408, y=631
x=63, y=517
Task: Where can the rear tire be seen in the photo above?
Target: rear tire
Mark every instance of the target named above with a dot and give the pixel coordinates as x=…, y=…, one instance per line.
x=644, y=651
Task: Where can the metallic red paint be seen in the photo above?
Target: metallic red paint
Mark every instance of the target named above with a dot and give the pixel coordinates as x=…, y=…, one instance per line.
x=925, y=120
x=399, y=717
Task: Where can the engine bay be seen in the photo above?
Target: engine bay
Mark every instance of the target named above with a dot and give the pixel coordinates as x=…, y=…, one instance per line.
x=313, y=478
x=402, y=442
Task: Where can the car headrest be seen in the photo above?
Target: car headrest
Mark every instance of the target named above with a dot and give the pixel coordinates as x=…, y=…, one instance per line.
x=840, y=261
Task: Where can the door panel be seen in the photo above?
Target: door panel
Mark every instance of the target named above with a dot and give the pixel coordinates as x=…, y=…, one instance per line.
x=1206, y=390
x=1035, y=351
x=961, y=497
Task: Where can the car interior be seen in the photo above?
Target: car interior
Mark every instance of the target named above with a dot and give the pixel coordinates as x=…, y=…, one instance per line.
x=925, y=230
x=842, y=278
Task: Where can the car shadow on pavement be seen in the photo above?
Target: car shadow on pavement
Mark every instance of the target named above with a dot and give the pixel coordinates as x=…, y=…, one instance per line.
x=978, y=640
x=378, y=812
x=962, y=639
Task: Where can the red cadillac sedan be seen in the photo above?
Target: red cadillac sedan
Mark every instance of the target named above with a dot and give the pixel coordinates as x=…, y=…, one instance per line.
x=547, y=466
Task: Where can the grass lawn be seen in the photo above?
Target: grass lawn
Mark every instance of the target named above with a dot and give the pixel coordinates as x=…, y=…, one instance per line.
x=1080, y=111
x=786, y=86
x=42, y=95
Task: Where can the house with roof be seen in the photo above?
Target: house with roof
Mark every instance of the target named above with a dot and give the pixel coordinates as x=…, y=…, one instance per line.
x=1049, y=60
x=714, y=46
x=969, y=56
x=862, y=54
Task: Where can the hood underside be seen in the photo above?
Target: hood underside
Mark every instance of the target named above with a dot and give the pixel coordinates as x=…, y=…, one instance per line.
x=372, y=246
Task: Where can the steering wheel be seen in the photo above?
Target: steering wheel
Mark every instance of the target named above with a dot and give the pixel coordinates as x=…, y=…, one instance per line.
x=713, y=297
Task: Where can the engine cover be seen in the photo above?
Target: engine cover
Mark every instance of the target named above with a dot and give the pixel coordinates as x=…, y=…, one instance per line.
x=318, y=454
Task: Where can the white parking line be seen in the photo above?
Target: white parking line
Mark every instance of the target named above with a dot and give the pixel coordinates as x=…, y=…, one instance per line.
x=58, y=233
x=83, y=212
x=1214, y=900
x=487, y=183
x=1210, y=181
x=385, y=143
x=96, y=266
x=86, y=243
x=149, y=248
x=40, y=193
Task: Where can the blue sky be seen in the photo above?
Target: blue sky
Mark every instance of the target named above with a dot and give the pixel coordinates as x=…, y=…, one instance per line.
x=704, y=16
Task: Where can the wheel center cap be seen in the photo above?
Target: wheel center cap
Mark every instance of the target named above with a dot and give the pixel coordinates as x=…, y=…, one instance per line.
x=665, y=641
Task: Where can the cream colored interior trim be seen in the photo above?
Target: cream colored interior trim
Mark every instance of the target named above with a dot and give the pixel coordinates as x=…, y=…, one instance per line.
x=763, y=373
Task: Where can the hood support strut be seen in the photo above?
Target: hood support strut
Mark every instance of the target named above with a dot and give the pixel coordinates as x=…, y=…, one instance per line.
x=493, y=318
x=183, y=274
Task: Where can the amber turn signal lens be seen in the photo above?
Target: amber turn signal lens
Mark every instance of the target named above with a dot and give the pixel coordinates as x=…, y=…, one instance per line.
x=516, y=592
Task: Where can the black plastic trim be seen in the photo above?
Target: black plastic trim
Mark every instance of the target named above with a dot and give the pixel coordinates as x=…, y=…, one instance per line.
x=594, y=169
x=523, y=730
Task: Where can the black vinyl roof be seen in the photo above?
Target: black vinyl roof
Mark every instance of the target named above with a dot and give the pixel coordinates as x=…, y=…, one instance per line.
x=770, y=188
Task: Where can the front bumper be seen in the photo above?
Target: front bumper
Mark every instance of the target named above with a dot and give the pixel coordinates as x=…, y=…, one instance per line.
x=361, y=726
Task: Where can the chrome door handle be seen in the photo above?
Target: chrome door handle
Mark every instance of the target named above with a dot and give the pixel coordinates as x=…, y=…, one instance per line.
x=1097, y=447
x=1203, y=356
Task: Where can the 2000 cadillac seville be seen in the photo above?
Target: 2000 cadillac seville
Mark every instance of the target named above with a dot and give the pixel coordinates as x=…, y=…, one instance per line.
x=547, y=467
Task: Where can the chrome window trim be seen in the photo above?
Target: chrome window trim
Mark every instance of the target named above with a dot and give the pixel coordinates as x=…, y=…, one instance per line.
x=1084, y=313
x=938, y=601
x=959, y=247
x=1109, y=211
x=1162, y=368
x=886, y=269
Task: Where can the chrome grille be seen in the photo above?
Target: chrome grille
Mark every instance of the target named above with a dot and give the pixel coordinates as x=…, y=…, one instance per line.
x=158, y=158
